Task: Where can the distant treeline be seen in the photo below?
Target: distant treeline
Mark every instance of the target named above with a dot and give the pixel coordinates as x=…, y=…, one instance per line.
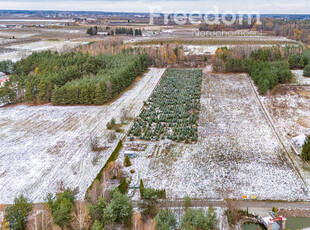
x=72, y=78
x=295, y=29
x=128, y=31
x=118, y=31
x=267, y=66
x=167, y=54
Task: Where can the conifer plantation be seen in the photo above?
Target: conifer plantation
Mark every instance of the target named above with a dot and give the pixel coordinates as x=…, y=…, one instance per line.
x=72, y=78
x=172, y=111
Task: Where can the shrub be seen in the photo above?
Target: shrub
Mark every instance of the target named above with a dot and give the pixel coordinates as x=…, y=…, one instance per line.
x=141, y=188
x=187, y=202
x=123, y=186
x=197, y=219
x=274, y=209
x=127, y=161
x=97, y=226
x=166, y=220
x=149, y=202
x=307, y=71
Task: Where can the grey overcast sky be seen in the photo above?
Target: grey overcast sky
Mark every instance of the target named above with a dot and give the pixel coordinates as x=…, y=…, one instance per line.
x=203, y=6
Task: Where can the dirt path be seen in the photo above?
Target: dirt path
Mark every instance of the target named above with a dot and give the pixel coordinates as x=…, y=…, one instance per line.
x=239, y=204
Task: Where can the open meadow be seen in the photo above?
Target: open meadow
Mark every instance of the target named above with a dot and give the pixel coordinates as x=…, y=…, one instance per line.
x=46, y=148
x=289, y=109
x=237, y=152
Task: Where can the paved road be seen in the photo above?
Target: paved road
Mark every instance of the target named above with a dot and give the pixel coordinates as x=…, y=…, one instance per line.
x=240, y=204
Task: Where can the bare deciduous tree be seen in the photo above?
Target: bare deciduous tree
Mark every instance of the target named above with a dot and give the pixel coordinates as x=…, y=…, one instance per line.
x=81, y=219
x=111, y=136
x=124, y=115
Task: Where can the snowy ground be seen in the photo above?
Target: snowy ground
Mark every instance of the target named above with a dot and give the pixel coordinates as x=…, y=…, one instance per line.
x=46, y=147
x=23, y=50
x=10, y=34
x=289, y=108
x=14, y=55
x=299, y=78
x=237, y=152
x=201, y=50
x=46, y=45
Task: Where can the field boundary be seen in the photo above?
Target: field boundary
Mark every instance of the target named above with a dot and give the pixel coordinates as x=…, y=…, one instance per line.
x=269, y=119
x=115, y=153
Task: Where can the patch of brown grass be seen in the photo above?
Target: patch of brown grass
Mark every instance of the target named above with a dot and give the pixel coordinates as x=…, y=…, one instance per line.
x=304, y=93
x=304, y=121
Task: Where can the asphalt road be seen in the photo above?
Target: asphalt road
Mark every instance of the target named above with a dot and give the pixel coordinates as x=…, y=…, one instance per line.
x=239, y=204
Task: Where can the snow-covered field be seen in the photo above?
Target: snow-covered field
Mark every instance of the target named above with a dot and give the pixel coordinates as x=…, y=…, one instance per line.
x=237, y=152
x=47, y=147
x=19, y=34
x=24, y=50
x=289, y=108
x=47, y=45
x=14, y=55
x=200, y=50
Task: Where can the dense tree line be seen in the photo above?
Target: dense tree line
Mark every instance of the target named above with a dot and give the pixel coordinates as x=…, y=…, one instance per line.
x=72, y=78
x=92, y=30
x=128, y=31
x=267, y=75
x=113, y=211
x=267, y=66
x=168, y=54
x=295, y=29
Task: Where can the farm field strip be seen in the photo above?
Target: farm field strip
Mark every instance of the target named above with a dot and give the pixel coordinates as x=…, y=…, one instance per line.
x=237, y=151
x=211, y=41
x=289, y=108
x=47, y=147
x=172, y=110
x=20, y=51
